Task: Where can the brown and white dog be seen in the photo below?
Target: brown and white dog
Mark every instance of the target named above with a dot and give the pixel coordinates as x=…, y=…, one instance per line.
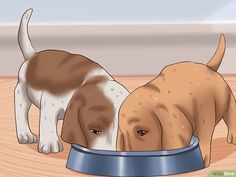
x=185, y=99
x=70, y=87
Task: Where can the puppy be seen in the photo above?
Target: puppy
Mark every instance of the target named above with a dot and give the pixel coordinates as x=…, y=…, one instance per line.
x=70, y=87
x=185, y=99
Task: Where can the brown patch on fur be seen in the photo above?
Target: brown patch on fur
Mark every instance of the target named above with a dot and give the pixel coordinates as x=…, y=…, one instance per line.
x=152, y=86
x=97, y=108
x=58, y=71
x=133, y=120
x=162, y=106
x=135, y=111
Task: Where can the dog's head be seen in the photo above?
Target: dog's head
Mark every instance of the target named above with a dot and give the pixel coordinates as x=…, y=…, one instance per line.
x=91, y=118
x=139, y=127
x=146, y=122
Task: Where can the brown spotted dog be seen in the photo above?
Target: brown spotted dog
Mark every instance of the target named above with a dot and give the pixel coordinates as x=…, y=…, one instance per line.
x=185, y=99
x=70, y=87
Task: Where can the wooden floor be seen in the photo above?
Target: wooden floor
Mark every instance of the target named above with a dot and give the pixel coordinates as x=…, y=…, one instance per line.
x=24, y=160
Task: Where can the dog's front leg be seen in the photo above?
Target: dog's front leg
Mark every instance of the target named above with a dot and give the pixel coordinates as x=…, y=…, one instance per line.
x=49, y=141
x=22, y=105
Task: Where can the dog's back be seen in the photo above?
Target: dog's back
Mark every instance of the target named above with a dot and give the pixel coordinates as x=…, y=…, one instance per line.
x=197, y=82
x=50, y=69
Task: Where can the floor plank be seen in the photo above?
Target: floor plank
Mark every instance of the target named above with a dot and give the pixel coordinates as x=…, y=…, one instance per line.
x=24, y=160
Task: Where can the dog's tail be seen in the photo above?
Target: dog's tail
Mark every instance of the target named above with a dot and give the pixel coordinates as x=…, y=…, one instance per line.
x=23, y=37
x=216, y=60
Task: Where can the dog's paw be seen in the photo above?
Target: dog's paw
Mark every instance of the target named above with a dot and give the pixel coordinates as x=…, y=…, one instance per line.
x=53, y=146
x=26, y=137
x=231, y=138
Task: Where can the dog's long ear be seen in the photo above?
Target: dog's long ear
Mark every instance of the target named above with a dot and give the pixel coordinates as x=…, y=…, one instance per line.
x=72, y=129
x=120, y=141
x=175, y=128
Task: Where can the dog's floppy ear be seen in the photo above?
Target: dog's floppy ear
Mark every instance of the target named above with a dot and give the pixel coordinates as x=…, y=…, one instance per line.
x=175, y=128
x=72, y=129
x=120, y=141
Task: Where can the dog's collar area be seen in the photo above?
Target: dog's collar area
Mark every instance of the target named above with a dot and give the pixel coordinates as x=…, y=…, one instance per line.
x=137, y=163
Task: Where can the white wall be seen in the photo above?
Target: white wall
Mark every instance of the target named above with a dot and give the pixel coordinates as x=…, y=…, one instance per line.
x=122, y=11
x=125, y=49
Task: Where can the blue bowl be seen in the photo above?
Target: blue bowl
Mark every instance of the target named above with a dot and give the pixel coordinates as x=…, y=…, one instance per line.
x=136, y=163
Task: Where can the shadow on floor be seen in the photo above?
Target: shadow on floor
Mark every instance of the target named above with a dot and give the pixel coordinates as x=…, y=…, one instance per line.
x=62, y=155
x=220, y=149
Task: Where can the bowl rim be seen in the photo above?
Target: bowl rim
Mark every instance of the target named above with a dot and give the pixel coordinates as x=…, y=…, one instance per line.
x=194, y=143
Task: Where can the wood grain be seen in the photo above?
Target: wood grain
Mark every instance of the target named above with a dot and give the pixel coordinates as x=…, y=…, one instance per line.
x=18, y=160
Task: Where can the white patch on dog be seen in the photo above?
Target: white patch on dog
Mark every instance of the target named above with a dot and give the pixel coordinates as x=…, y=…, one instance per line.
x=105, y=141
x=34, y=96
x=116, y=93
x=97, y=72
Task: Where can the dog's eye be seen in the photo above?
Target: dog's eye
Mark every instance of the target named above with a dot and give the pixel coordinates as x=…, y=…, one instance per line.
x=95, y=131
x=141, y=132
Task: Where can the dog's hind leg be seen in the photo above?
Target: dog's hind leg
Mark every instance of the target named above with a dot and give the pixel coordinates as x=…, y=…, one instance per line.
x=22, y=105
x=230, y=120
